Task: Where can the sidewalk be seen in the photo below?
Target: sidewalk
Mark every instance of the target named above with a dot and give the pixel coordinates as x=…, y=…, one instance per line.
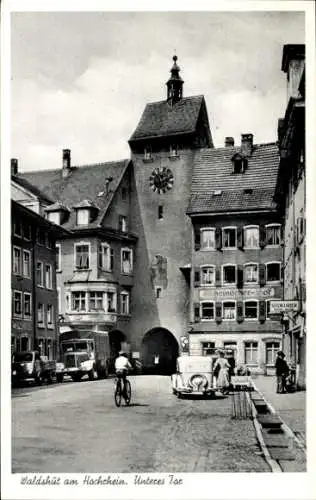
x=291, y=407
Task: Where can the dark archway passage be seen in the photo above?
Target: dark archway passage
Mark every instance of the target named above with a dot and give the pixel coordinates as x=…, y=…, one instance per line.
x=116, y=338
x=159, y=351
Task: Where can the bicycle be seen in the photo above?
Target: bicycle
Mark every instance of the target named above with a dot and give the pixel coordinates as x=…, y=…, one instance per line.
x=120, y=392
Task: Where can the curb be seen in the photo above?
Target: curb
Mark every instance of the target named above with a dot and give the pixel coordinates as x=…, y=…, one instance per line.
x=286, y=428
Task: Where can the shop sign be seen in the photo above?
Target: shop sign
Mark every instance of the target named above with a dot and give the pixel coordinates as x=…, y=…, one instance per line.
x=233, y=293
x=283, y=306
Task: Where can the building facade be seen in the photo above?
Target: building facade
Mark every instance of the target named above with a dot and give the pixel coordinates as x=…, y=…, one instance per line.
x=34, y=321
x=237, y=266
x=291, y=199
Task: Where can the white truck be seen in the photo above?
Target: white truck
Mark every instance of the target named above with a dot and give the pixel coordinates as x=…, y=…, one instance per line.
x=83, y=353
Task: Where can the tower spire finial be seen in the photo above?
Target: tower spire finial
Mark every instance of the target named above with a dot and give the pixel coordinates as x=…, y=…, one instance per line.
x=175, y=83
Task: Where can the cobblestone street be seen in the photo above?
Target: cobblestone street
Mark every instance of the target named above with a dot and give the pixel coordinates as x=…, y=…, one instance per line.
x=75, y=427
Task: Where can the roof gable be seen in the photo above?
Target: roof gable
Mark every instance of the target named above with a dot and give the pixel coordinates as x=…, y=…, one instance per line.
x=212, y=171
x=161, y=119
x=85, y=184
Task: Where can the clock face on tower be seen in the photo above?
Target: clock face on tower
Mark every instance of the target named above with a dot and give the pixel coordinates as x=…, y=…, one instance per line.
x=161, y=179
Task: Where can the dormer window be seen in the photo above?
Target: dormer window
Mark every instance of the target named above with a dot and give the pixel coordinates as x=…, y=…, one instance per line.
x=57, y=213
x=86, y=212
x=83, y=217
x=239, y=164
x=54, y=217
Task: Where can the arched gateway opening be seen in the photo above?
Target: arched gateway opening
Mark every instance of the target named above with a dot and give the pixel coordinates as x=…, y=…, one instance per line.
x=159, y=352
x=117, y=342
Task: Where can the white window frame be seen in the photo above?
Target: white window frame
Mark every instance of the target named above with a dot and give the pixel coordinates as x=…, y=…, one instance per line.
x=41, y=346
x=108, y=247
x=50, y=325
x=223, y=282
x=29, y=274
x=148, y=153
x=17, y=315
x=244, y=273
x=125, y=249
x=20, y=270
x=40, y=324
x=207, y=266
x=95, y=310
x=58, y=257
x=15, y=225
x=275, y=225
x=207, y=248
x=266, y=351
x=107, y=301
x=201, y=310
x=125, y=294
x=123, y=223
x=54, y=217
x=25, y=316
x=251, y=226
x=58, y=290
x=229, y=319
x=49, y=355
x=273, y=262
x=256, y=363
x=81, y=298
x=244, y=307
x=30, y=232
x=42, y=274
x=79, y=244
x=223, y=230
x=49, y=286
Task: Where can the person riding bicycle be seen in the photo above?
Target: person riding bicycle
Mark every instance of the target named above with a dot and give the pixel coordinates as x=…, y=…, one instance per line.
x=122, y=366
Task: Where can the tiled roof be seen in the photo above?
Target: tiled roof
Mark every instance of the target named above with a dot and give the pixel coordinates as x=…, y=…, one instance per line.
x=160, y=119
x=213, y=169
x=32, y=188
x=57, y=206
x=85, y=204
x=88, y=182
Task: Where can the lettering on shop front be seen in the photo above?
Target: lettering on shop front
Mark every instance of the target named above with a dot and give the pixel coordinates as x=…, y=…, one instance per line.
x=232, y=293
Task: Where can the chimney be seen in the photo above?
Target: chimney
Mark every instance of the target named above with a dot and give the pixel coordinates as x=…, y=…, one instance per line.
x=66, y=163
x=229, y=142
x=14, y=166
x=246, y=144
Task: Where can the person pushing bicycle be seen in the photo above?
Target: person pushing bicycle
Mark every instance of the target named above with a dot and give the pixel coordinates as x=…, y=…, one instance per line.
x=122, y=366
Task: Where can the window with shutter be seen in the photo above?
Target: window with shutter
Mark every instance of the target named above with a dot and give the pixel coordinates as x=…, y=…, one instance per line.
x=262, y=274
x=218, y=312
x=218, y=238
x=240, y=238
x=240, y=312
x=262, y=310
x=196, y=312
x=262, y=236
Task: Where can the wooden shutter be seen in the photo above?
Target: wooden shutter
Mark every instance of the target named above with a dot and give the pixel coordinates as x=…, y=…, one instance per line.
x=262, y=274
x=218, y=311
x=281, y=273
x=197, y=277
x=240, y=238
x=100, y=257
x=262, y=310
x=196, y=312
x=240, y=276
x=218, y=238
x=240, y=312
x=218, y=276
x=111, y=259
x=282, y=235
x=197, y=239
x=262, y=236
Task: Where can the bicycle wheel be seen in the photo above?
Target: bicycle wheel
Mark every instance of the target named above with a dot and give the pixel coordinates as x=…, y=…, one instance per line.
x=118, y=394
x=128, y=392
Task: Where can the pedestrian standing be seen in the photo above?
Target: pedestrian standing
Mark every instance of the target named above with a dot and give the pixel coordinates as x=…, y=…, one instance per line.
x=281, y=371
x=222, y=368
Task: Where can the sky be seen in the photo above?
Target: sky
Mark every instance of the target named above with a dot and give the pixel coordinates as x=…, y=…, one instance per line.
x=81, y=80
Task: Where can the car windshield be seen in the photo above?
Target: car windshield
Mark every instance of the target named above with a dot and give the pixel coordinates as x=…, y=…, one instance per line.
x=74, y=346
x=26, y=357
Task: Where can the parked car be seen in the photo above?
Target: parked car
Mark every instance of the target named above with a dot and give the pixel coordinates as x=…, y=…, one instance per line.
x=29, y=365
x=194, y=375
